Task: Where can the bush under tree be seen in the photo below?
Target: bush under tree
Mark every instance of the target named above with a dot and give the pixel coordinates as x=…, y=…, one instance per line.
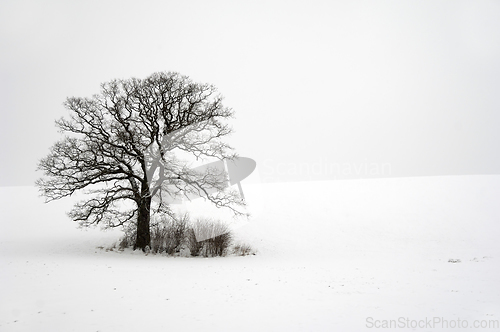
x=203, y=237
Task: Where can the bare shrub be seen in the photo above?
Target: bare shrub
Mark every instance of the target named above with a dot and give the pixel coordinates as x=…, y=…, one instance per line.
x=177, y=235
x=216, y=237
x=159, y=237
x=193, y=244
x=217, y=246
x=243, y=249
x=168, y=234
x=129, y=236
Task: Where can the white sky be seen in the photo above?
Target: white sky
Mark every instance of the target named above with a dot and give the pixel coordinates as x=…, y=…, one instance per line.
x=413, y=84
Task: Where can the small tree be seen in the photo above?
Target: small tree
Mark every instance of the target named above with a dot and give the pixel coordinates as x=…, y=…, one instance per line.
x=122, y=145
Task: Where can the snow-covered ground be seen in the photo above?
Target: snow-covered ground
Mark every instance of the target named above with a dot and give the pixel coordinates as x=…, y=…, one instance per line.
x=332, y=256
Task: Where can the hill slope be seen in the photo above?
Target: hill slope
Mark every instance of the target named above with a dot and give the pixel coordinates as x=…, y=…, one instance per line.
x=331, y=256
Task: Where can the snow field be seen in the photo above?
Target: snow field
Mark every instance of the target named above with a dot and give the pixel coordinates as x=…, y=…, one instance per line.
x=329, y=255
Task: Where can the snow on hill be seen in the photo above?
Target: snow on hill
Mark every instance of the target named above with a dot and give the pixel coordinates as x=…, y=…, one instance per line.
x=334, y=255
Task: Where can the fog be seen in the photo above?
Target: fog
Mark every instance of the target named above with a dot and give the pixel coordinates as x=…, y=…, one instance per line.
x=320, y=89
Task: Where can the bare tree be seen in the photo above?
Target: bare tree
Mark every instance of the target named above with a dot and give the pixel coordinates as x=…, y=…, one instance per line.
x=122, y=145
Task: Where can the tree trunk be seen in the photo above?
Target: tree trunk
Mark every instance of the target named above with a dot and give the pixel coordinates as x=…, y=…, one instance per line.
x=143, y=235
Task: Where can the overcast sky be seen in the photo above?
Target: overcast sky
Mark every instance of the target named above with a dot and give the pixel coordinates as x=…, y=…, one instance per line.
x=320, y=89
